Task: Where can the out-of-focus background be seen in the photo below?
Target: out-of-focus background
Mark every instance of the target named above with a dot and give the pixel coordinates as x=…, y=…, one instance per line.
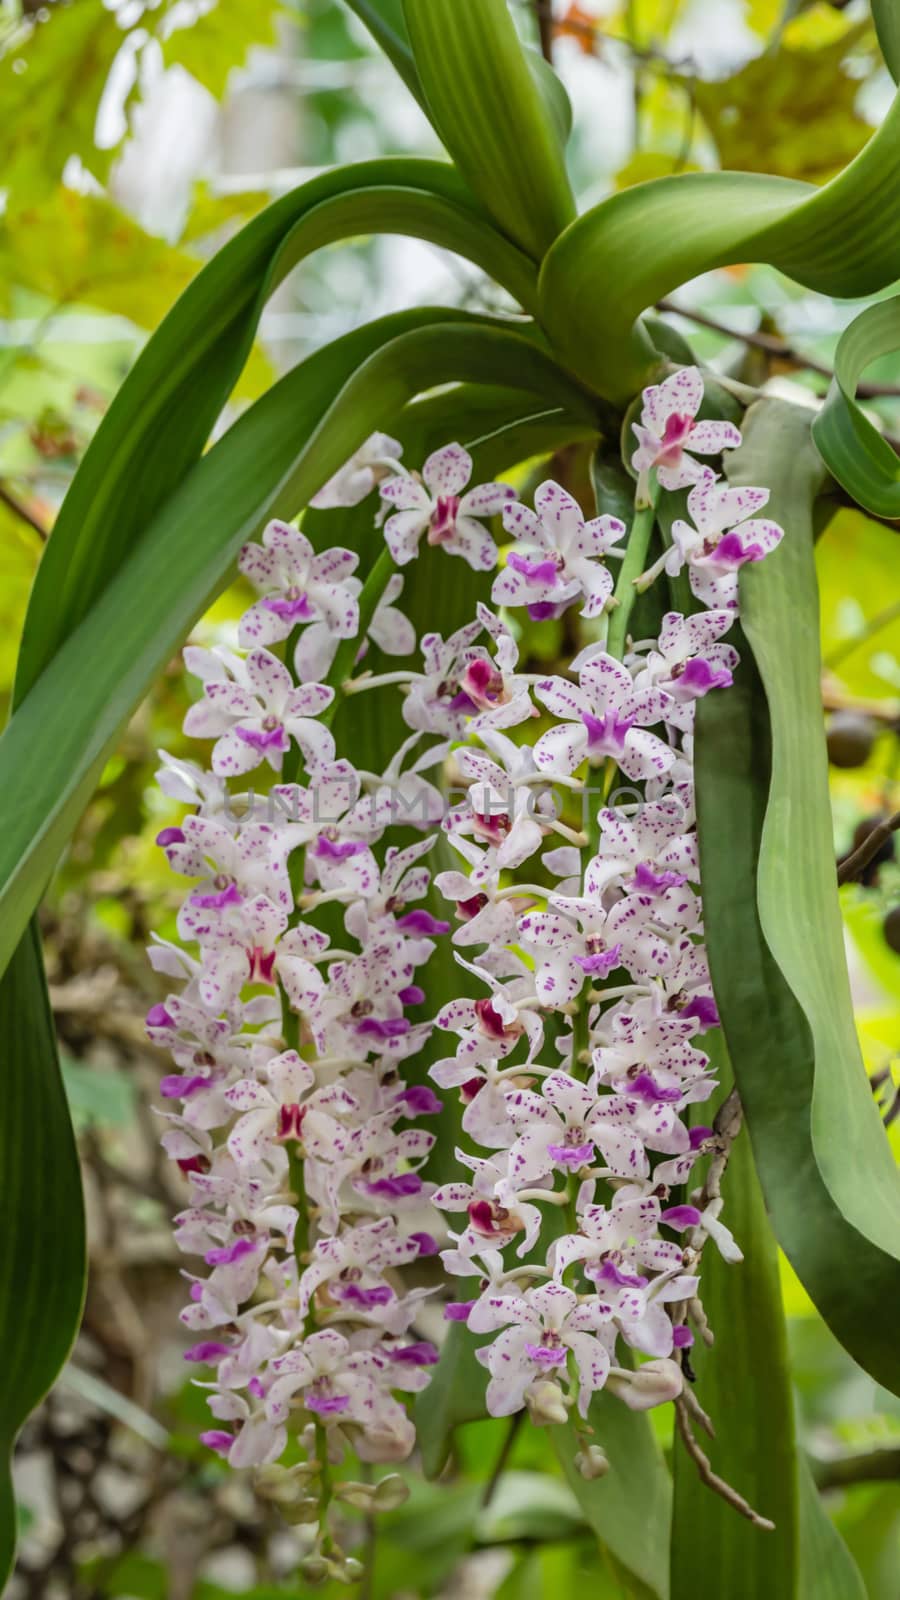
x=135, y=141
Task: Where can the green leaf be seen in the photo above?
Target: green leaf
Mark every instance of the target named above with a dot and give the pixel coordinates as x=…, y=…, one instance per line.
x=270, y=462
x=50, y=89
x=792, y=112
x=827, y=1569
x=778, y=967
x=497, y=126
x=164, y=412
x=210, y=44
x=850, y=445
x=843, y=239
x=387, y=25
x=529, y=1505
x=744, y=1385
x=887, y=26
x=109, y=261
x=455, y=1395
x=553, y=93
x=630, y=1508
x=42, y=1263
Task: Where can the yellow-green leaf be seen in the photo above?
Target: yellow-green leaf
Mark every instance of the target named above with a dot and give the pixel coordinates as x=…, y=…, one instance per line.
x=50, y=89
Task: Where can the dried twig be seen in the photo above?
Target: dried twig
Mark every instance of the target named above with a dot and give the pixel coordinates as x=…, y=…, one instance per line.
x=859, y=859
x=774, y=345
x=23, y=512
x=544, y=17
x=708, y=1476
x=881, y=1465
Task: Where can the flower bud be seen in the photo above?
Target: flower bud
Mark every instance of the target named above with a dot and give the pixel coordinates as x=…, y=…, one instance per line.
x=283, y=1485
x=390, y=1493
x=592, y=1462
x=358, y=1495
x=315, y=1569
x=546, y=1403
x=307, y=1509
x=650, y=1385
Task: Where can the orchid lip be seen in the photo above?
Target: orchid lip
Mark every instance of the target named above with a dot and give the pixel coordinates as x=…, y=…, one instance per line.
x=217, y=902
x=421, y=922
x=606, y=734
x=571, y=1155
x=545, y=571
x=545, y=1355
x=327, y=1405
x=602, y=963
x=264, y=738
x=458, y=1310
x=338, y=849
x=290, y=610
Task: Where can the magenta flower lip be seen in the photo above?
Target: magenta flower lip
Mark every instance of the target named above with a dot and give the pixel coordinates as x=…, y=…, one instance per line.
x=263, y=739
x=458, y=1310
x=420, y=1354
x=421, y=922
x=296, y=610
x=159, y=1017
x=546, y=1356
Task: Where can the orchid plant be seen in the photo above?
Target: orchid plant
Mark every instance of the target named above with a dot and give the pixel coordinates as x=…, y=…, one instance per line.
x=501, y=1053
x=309, y=1199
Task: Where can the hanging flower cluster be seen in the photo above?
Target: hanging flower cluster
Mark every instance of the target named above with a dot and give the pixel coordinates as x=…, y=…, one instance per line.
x=576, y=1062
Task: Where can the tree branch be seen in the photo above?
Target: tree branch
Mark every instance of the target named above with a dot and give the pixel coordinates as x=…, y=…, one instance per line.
x=773, y=345
x=859, y=859
x=544, y=16
x=881, y=1465
x=20, y=509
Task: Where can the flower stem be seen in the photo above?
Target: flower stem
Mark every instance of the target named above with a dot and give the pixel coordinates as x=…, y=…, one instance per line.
x=371, y=593
x=631, y=568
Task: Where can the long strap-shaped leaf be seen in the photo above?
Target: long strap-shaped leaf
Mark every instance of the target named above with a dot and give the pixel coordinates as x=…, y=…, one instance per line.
x=164, y=412
x=41, y=1263
x=387, y=25
x=270, y=462
x=773, y=931
x=886, y=14
x=850, y=445
x=843, y=240
x=502, y=131
x=744, y=1384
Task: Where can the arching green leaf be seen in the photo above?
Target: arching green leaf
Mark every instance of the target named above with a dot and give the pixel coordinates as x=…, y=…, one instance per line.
x=743, y=1382
x=164, y=412
x=386, y=23
x=843, y=239
x=42, y=1263
x=485, y=106
x=849, y=444
x=773, y=927
x=271, y=462
x=887, y=25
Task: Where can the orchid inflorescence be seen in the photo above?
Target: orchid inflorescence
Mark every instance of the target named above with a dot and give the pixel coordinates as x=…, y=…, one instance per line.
x=577, y=1061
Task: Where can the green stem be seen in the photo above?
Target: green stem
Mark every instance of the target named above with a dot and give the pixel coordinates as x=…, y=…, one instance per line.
x=632, y=566
x=371, y=593
x=295, y=1178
